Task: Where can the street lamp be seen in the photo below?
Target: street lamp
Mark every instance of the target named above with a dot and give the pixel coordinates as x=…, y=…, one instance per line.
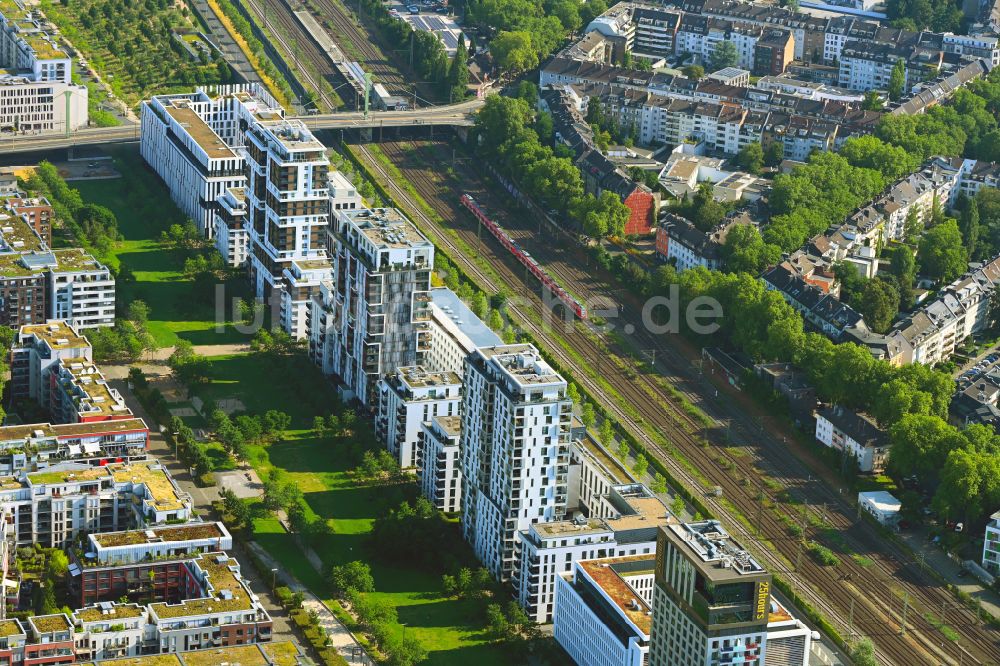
x=274, y=574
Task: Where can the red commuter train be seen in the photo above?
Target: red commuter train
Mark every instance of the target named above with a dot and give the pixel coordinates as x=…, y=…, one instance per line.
x=574, y=305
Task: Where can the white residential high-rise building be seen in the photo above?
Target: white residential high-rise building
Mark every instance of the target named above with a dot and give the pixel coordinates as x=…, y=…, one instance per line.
x=438, y=465
x=372, y=318
x=711, y=599
x=302, y=278
x=287, y=200
x=991, y=545
x=194, y=142
x=343, y=194
x=408, y=398
x=514, y=450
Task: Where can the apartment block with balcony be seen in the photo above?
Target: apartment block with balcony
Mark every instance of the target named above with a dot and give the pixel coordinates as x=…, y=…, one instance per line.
x=38, y=352
x=57, y=504
x=33, y=447
x=51, y=641
x=515, y=449
x=711, y=599
x=287, y=200
x=230, y=226
x=180, y=140
x=79, y=393
x=81, y=290
x=991, y=545
x=548, y=550
x=219, y=610
x=302, y=280
x=109, y=631
x=146, y=563
x=408, y=398
x=374, y=316
x=37, y=283
x=439, y=473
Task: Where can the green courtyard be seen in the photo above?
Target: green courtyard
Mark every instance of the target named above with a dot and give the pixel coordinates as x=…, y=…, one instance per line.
x=143, y=207
x=449, y=629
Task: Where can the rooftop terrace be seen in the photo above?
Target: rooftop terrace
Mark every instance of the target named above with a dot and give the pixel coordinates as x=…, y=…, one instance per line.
x=162, y=491
x=417, y=377
x=18, y=235
x=76, y=259
x=57, y=334
x=610, y=575
x=67, y=473
x=19, y=433
x=10, y=628
x=189, y=532
x=97, y=394
x=47, y=624
x=708, y=543
x=146, y=660
x=109, y=612
x=228, y=594
x=244, y=655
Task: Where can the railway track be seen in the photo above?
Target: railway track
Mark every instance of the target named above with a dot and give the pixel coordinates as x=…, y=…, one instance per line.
x=869, y=598
x=342, y=24
x=277, y=18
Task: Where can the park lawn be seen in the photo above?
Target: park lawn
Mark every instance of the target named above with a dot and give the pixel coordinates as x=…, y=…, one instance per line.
x=143, y=208
x=256, y=380
x=448, y=628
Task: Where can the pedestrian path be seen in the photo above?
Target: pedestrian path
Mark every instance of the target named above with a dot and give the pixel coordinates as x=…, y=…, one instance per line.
x=340, y=637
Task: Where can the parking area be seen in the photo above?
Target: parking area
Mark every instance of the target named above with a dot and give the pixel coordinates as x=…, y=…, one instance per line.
x=972, y=372
x=429, y=16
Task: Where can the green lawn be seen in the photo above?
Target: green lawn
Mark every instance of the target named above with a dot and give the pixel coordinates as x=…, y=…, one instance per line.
x=448, y=628
x=256, y=381
x=143, y=207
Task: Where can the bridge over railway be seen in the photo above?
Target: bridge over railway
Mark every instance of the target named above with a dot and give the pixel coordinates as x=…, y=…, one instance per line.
x=452, y=115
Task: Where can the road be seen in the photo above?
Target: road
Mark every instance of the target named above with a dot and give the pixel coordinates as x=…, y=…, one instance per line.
x=450, y=115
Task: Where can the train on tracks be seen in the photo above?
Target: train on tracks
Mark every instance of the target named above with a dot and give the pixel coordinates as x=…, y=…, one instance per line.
x=575, y=306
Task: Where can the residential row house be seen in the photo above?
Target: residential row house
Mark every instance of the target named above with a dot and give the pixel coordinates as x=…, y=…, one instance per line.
x=853, y=434
x=681, y=243
x=820, y=310
x=931, y=334
x=758, y=32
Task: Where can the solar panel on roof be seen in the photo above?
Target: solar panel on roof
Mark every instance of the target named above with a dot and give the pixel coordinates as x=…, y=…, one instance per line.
x=450, y=42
